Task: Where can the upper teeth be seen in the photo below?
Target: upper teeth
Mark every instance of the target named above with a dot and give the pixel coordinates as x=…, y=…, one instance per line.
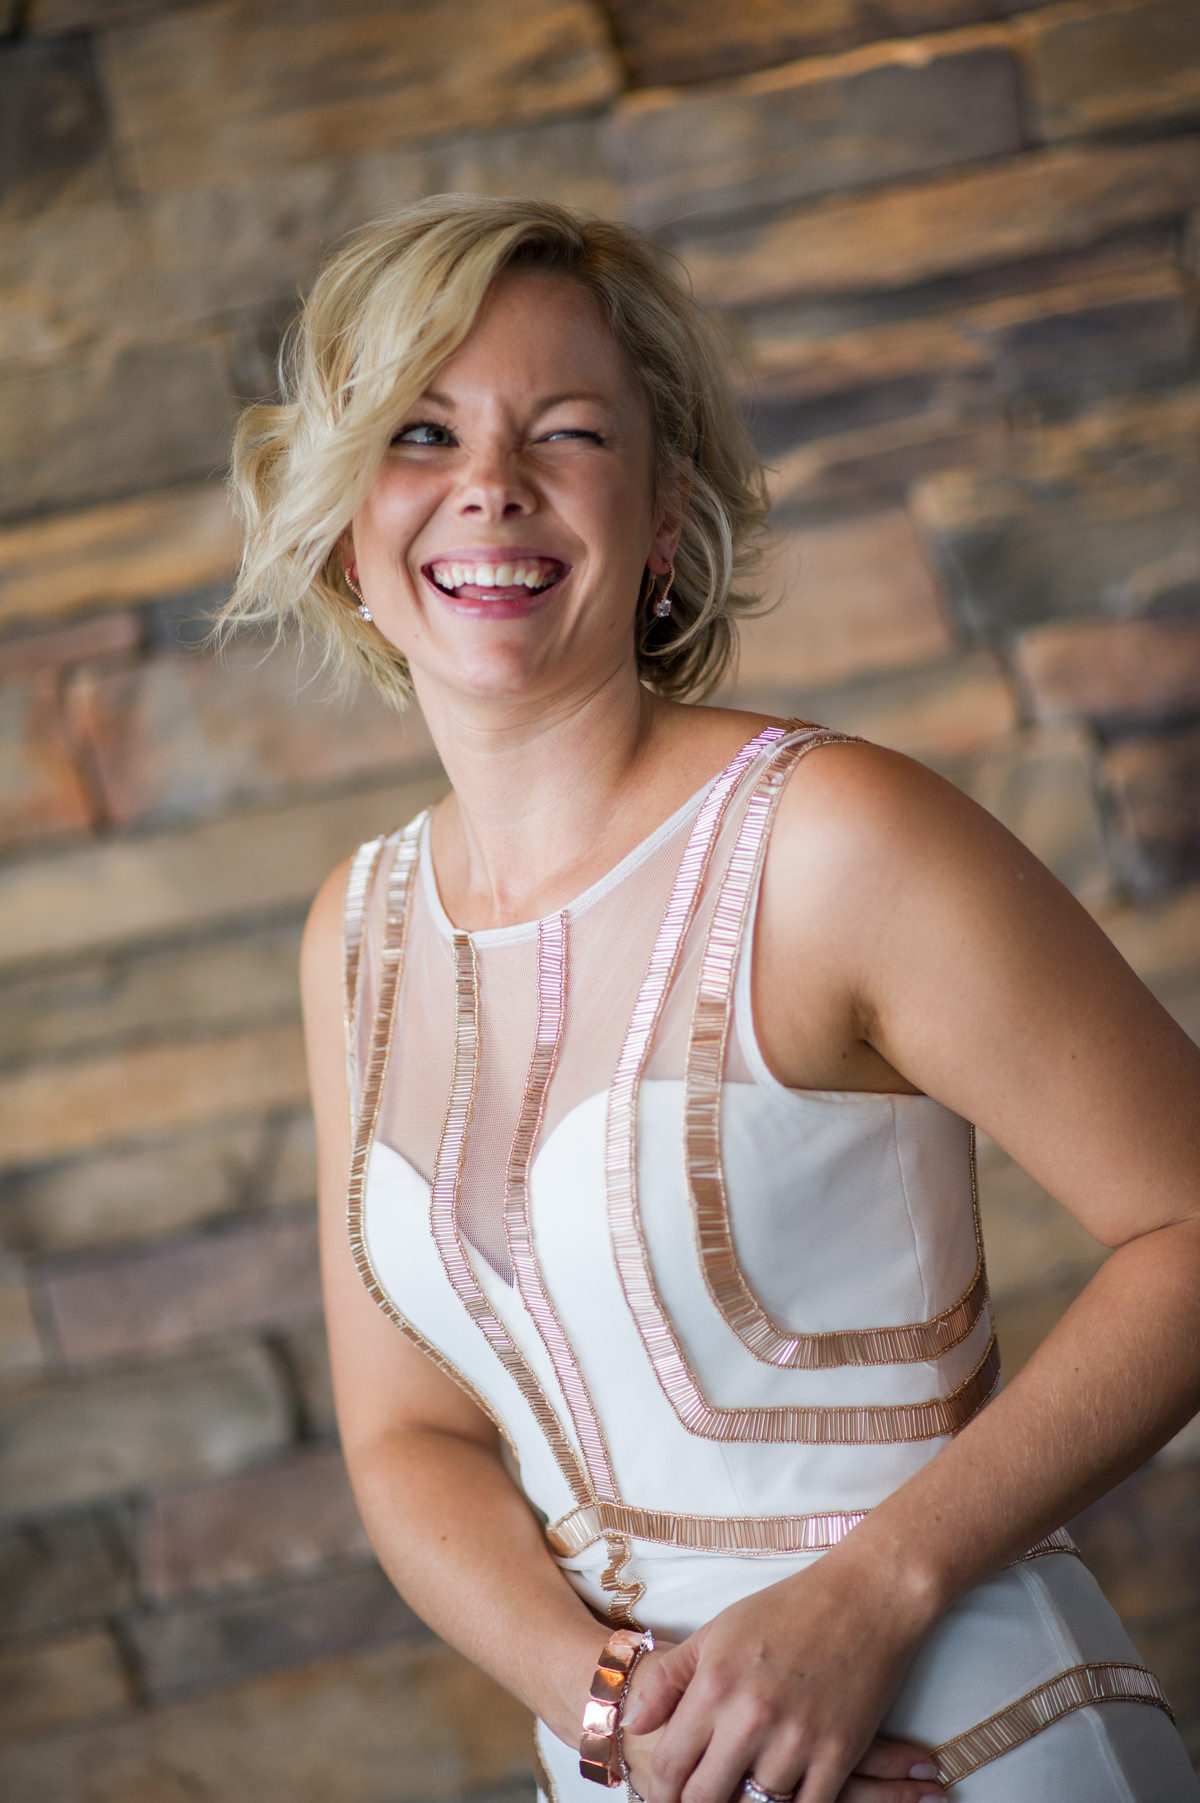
x=531, y=572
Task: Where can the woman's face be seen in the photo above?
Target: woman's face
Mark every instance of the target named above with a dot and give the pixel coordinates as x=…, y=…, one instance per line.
x=503, y=544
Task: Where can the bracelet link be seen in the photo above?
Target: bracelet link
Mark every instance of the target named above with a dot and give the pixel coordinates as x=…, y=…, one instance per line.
x=600, y=1757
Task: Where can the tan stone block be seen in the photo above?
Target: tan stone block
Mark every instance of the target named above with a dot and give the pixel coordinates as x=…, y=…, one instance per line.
x=137, y=889
x=1045, y=201
x=1024, y=1318
x=58, y=1574
x=254, y=1277
x=200, y=95
x=1096, y=66
x=138, y=550
x=241, y=978
x=293, y=1178
x=857, y=595
x=1113, y=672
x=53, y=1683
x=163, y=414
x=1142, y=1543
x=935, y=713
x=404, y=1722
x=698, y=40
x=295, y=1515
x=42, y=791
x=50, y=1111
x=189, y=734
x=1033, y=1243
x=20, y=1343
x=101, y=637
x=817, y=126
x=55, y=144
x=220, y=1638
x=879, y=464
x=1041, y=784
x=136, y=1193
x=66, y=1442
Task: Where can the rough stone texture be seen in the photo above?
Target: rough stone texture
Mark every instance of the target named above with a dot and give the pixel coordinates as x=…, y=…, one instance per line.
x=286, y=1518
x=1013, y=207
x=69, y=1442
x=249, y=1278
x=201, y=95
x=182, y=735
x=1124, y=62
x=134, y=550
x=293, y=1177
x=210, y=984
x=138, y=1192
x=697, y=40
x=139, y=889
x=1142, y=1541
x=223, y=1638
x=42, y=793
x=54, y=16
x=1153, y=782
x=101, y=637
x=1159, y=938
x=1032, y=1241
x=1105, y=328
x=50, y=1684
x=1041, y=784
x=163, y=413
x=814, y=127
x=53, y=149
x=397, y=1724
x=20, y=1344
x=876, y=466
x=52, y=1110
x=56, y=1574
x=244, y=247
x=936, y=713
x=1117, y=673
x=1097, y=515
x=854, y=595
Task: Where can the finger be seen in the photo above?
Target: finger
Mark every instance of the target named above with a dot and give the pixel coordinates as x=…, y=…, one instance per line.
x=894, y=1759
x=656, y=1688
x=886, y=1790
x=681, y=1747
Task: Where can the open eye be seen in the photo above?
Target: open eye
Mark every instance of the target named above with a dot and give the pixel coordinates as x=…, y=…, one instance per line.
x=419, y=433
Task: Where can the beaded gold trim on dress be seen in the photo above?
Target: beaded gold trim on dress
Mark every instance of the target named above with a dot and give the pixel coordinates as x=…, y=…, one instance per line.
x=1078, y=1687
x=704, y=1077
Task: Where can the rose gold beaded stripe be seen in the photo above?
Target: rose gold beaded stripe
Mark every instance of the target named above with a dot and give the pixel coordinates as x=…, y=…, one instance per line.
x=552, y=991
x=541, y=1772
x=447, y=1232
x=846, y=1425
x=745, y=1534
x=375, y=1071
x=703, y=1085
x=360, y=879
x=1078, y=1687
x=1057, y=1542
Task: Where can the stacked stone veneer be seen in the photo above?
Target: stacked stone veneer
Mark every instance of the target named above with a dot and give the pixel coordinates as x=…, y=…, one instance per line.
x=955, y=247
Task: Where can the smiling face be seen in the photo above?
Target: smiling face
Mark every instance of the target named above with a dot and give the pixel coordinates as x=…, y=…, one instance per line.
x=503, y=543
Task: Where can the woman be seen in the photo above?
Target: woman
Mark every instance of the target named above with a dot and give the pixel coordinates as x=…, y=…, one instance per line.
x=646, y=1060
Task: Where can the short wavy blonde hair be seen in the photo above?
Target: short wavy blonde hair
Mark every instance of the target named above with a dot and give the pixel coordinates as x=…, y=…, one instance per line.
x=382, y=316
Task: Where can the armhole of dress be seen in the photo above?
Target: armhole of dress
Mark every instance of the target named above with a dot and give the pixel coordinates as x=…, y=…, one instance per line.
x=744, y=1028
x=359, y=882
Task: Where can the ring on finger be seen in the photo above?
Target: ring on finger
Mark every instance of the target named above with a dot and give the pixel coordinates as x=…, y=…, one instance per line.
x=758, y=1793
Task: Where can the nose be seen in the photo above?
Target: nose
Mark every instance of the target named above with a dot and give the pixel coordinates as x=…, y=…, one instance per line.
x=494, y=485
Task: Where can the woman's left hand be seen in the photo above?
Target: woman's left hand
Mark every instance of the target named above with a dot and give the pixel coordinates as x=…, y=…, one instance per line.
x=789, y=1686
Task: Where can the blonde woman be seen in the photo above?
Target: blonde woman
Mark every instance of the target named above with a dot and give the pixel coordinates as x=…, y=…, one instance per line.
x=658, y=1317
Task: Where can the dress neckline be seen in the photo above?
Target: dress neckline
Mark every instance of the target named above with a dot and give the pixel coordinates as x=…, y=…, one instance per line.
x=527, y=929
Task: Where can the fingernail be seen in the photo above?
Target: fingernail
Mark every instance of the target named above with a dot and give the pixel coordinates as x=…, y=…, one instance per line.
x=632, y=1716
x=923, y=1769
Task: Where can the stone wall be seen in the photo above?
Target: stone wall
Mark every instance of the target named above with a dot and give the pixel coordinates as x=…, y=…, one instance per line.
x=955, y=243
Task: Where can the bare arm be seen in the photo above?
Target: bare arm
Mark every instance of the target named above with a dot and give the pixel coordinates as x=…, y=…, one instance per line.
x=974, y=973
x=447, y=1523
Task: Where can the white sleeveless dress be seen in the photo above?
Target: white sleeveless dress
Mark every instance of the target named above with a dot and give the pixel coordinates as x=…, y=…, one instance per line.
x=716, y=1320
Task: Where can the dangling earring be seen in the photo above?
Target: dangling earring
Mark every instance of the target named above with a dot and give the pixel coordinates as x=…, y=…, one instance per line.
x=662, y=606
x=363, y=610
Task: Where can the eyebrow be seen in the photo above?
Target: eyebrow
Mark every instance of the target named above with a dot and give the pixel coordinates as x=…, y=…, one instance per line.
x=543, y=405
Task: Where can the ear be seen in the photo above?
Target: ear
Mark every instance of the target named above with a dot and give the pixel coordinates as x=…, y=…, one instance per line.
x=668, y=531
x=345, y=549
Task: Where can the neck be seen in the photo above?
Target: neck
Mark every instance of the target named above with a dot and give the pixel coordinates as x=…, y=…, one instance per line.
x=546, y=797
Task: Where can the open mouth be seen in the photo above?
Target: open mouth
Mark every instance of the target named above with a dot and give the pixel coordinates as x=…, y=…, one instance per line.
x=511, y=580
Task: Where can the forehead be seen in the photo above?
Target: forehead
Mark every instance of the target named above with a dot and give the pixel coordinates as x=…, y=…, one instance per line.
x=537, y=326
